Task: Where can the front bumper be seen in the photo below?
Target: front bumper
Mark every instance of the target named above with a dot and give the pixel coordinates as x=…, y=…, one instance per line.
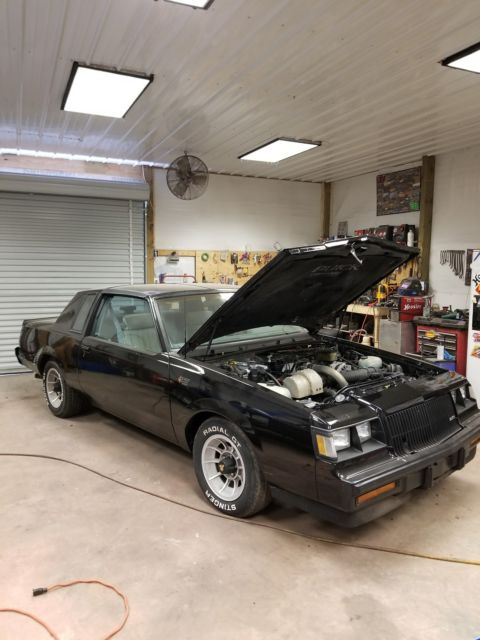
x=419, y=470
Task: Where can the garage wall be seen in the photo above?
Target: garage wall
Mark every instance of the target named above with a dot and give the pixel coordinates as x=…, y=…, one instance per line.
x=456, y=220
x=238, y=212
x=455, y=215
x=355, y=200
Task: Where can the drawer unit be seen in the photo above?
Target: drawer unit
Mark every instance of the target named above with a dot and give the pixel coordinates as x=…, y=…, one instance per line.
x=430, y=337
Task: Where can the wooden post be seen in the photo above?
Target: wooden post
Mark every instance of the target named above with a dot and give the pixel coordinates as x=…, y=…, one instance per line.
x=426, y=211
x=150, y=227
x=327, y=197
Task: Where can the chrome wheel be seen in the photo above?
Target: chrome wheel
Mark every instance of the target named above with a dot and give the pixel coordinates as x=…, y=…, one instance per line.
x=54, y=388
x=223, y=467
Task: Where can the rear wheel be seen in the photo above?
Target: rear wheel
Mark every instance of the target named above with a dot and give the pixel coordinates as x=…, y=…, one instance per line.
x=227, y=469
x=62, y=400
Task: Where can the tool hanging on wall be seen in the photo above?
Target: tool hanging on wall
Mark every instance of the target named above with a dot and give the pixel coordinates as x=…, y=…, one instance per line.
x=267, y=257
x=382, y=293
x=455, y=259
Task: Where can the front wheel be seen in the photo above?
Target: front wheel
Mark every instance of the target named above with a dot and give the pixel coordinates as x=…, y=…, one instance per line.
x=227, y=469
x=62, y=400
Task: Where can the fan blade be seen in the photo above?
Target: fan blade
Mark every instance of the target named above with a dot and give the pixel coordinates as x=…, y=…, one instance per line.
x=180, y=189
x=199, y=179
x=197, y=165
x=188, y=165
x=183, y=166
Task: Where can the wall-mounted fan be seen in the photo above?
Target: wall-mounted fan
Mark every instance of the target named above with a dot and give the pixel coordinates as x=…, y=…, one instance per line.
x=187, y=177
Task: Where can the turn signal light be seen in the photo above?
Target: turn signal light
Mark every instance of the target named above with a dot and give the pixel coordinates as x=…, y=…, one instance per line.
x=365, y=497
x=474, y=443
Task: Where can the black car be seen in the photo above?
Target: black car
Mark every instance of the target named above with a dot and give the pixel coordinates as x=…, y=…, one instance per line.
x=269, y=401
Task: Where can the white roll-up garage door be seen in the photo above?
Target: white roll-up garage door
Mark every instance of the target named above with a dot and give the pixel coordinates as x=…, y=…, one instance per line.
x=52, y=246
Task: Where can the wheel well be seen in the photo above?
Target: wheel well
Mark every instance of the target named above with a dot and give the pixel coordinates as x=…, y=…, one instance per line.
x=42, y=362
x=194, y=424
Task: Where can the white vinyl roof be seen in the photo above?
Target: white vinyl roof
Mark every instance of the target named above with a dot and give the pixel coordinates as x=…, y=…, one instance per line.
x=362, y=76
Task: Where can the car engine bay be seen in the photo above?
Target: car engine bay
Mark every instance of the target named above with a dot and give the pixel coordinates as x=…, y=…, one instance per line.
x=318, y=374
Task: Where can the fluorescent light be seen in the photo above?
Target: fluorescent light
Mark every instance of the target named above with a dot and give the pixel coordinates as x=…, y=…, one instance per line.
x=279, y=150
x=468, y=59
x=101, y=92
x=196, y=4
x=83, y=158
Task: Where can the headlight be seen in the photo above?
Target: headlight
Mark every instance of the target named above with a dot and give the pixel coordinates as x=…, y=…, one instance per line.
x=459, y=395
x=341, y=439
x=364, y=431
x=330, y=442
x=461, y=398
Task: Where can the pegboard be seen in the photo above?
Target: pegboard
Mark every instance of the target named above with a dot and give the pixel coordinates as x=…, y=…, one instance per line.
x=223, y=267
x=408, y=270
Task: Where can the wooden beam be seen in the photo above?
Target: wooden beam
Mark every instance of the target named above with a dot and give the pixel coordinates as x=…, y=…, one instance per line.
x=326, y=209
x=426, y=214
x=150, y=226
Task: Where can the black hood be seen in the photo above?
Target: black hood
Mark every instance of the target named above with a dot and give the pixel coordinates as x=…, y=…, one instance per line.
x=304, y=286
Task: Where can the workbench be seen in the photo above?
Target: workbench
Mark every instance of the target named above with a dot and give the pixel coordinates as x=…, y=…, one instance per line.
x=376, y=312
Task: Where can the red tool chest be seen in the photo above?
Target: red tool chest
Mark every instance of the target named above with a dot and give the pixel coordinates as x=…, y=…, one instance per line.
x=454, y=340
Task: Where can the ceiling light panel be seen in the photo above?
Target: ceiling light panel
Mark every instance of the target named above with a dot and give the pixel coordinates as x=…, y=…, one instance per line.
x=468, y=59
x=101, y=92
x=278, y=150
x=196, y=4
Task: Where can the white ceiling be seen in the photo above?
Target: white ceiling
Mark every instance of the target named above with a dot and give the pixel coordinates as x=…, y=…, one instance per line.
x=362, y=76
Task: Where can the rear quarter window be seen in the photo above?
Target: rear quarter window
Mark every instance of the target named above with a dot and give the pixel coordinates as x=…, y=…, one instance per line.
x=69, y=315
x=82, y=314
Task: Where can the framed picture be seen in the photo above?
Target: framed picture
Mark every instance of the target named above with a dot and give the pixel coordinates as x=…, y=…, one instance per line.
x=399, y=191
x=342, y=229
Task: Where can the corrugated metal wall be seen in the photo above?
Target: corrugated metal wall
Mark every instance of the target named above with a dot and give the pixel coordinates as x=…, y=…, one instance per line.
x=52, y=246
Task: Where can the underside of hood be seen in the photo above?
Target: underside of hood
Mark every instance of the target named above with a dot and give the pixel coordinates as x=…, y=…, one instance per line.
x=305, y=286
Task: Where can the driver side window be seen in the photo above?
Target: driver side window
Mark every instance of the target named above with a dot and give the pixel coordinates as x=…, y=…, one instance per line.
x=127, y=321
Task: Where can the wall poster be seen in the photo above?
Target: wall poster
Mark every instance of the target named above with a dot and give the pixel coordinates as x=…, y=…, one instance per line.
x=399, y=191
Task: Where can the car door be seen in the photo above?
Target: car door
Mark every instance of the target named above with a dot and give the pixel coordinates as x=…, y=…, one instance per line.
x=122, y=366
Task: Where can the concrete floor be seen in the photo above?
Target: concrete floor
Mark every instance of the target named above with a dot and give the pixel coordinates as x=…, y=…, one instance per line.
x=188, y=575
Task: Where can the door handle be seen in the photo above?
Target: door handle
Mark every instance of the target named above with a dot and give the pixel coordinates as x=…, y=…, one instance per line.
x=85, y=348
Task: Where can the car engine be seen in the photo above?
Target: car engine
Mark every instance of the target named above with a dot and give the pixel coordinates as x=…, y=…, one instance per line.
x=312, y=375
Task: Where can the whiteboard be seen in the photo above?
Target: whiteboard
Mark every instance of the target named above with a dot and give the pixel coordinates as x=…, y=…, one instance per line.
x=174, y=273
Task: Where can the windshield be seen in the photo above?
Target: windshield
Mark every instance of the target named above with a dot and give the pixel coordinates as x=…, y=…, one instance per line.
x=182, y=316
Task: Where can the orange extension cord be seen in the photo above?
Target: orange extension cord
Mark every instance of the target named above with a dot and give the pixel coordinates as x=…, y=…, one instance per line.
x=63, y=585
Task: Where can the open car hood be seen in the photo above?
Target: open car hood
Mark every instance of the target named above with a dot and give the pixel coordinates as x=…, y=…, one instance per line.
x=305, y=286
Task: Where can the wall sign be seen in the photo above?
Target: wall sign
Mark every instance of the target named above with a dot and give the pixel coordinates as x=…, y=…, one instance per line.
x=399, y=191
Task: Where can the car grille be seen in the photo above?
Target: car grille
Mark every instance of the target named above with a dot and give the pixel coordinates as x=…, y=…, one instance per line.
x=421, y=426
